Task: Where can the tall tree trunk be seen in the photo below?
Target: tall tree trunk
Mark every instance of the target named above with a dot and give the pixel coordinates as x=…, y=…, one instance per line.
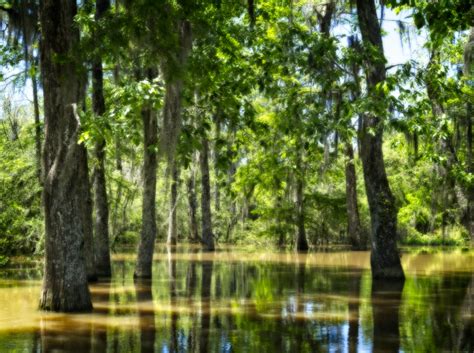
x=36, y=108
x=217, y=198
x=101, y=225
x=353, y=219
x=172, y=119
x=301, y=241
x=192, y=200
x=65, y=278
x=146, y=246
x=87, y=219
x=385, y=260
x=172, y=225
x=469, y=73
x=207, y=235
x=118, y=166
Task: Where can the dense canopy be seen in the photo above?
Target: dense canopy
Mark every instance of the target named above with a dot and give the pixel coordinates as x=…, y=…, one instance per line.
x=295, y=123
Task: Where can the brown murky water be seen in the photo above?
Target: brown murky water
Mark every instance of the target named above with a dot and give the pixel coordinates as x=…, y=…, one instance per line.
x=233, y=301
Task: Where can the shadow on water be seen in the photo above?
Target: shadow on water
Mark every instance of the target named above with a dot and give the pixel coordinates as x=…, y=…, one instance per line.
x=199, y=302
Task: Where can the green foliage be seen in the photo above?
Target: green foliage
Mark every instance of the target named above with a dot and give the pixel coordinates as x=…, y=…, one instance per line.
x=21, y=228
x=277, y=100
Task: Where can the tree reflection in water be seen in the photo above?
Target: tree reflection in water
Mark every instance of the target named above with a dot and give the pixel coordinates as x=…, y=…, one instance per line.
x=200, y=302
x=386, y=299
x=146, y=315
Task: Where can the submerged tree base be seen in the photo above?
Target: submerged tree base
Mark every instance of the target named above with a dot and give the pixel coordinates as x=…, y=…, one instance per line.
x=393, y=270
x=74, y=302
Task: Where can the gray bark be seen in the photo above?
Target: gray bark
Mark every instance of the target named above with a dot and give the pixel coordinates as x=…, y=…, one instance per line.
x=385, y=260
x=101, y=224
x=353, y=219
x=192, y=200
x=65, y=279
x=207, y=235
x=146, y=245
x=87, y=219
x=172, y=225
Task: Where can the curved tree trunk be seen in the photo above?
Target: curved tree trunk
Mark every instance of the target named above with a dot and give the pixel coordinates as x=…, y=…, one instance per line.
x=146, y=246
x=65, y=279
x=207, y=235
x=101, y=225
x=385, y=260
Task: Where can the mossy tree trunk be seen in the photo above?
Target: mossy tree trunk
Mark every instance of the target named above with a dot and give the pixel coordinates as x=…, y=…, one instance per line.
x=65, y=285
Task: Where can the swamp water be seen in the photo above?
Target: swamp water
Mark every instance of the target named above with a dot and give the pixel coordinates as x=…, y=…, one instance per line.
x=233, y=301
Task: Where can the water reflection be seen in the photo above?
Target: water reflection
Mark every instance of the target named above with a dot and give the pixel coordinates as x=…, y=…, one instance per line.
x=353, y=307
x=266, y=303
x=146, y=315
x=386, y=298
x=206, y=279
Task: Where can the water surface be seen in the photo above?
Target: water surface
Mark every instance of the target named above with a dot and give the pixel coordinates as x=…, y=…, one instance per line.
x=234, y=301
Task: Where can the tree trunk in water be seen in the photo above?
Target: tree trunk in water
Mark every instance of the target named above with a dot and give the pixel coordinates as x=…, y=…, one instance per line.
x=301, y=241
x=146, y=246
x=193, y=222
x=207, y=235
x=65, y=278
x=385, y=260
x=172, y=226
x=353, y=219
x=101, y=225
